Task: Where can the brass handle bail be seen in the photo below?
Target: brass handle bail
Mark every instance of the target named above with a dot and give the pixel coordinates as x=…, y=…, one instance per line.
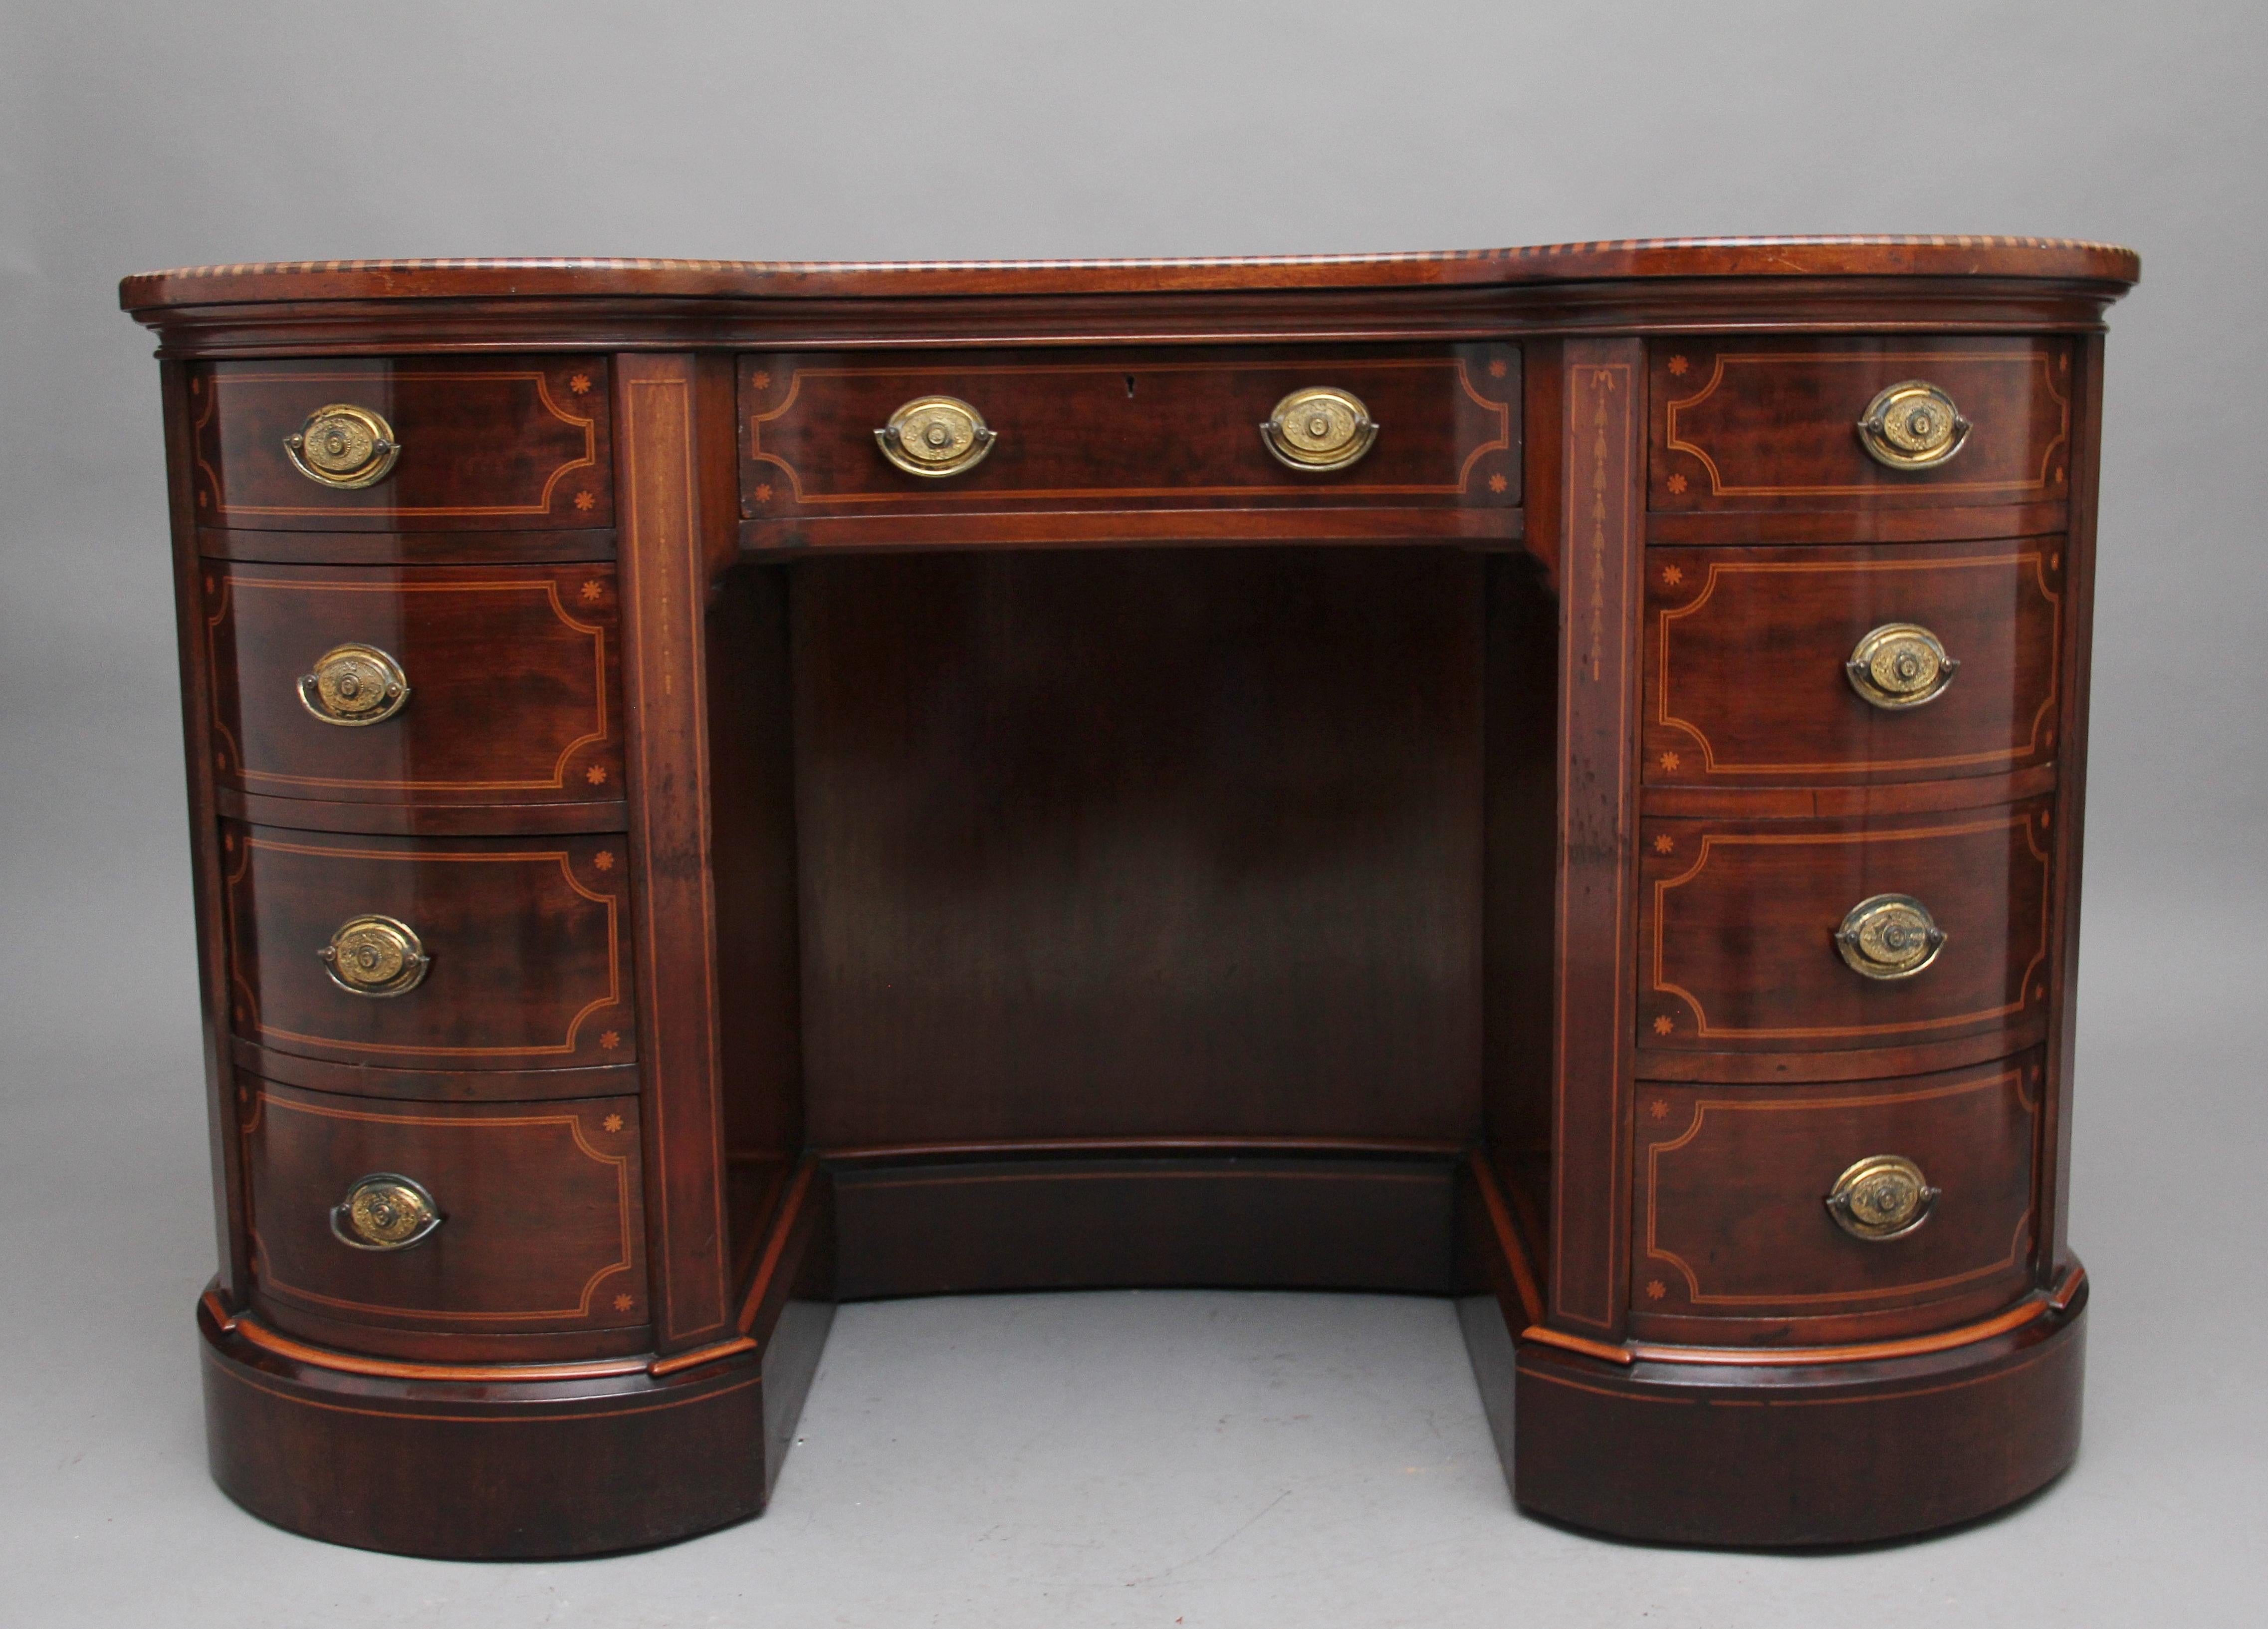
x=355, y=685
x=1319, y=428
x=1899, y=665
x=375, y=957
x=1891, y=935
x=1881, y=1197
x=1912, y=425
x=344, y=447
x=384, y=1212
x=935, y=437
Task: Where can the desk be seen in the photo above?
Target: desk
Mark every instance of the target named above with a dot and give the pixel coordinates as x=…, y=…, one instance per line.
x=1551, y=777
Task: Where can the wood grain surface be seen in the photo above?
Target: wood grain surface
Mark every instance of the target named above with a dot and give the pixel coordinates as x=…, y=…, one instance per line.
x=514, y=674
x=542, y=1224
x=1737, y=925
x=1765, y=423
x=497, y=445
x=1728, y=1184
x=1746, y=647
x=1128, y=428
x=531, y=963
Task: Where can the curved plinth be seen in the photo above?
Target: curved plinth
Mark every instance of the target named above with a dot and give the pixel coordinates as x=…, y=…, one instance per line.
x=523, y=1471
x=1689, y=1453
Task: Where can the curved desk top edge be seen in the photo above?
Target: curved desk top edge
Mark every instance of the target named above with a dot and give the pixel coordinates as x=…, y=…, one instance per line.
x=1942, y=256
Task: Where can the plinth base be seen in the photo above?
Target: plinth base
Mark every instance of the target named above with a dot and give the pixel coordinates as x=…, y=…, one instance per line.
x=1825, y=1453
x=520, y=1471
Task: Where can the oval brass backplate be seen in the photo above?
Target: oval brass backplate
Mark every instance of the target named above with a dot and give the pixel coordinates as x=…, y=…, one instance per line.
x=1900, y=664
x=1880, y=1197
x=1891, y=935
x=936, y=436
x=1912, y=425
x=375, y=956
x=343, y=446
x=384, y=1211
x=355, y=685
x=1319, y=428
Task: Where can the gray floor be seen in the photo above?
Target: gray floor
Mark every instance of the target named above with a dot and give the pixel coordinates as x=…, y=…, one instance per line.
x=1121, y=1458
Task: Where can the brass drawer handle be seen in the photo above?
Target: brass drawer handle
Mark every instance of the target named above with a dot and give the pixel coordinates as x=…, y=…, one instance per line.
x=1318, y=429
x=1892, y=935
x=375, y=957
x=1912, y=425
x=355, y=685
x=1881, y=1197
x=936, y=436
x=384, y=1211
x=344, y=447
x=1900, y=664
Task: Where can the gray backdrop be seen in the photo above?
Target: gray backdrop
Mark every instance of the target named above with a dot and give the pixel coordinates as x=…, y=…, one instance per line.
x=1149, y=1459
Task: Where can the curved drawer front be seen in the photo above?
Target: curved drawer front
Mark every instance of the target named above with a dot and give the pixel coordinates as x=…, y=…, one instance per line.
x=513, y=682
x=1748, y=423
x=1128, y=428
x=491, y=443
x=526, y=962
x=539, y=1223
x=1738, y=923
x=1731, y=1187
x=1748, y=656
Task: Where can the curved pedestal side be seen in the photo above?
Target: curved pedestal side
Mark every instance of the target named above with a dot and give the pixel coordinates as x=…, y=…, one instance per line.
x=1691, y=1453
x=520, y=1471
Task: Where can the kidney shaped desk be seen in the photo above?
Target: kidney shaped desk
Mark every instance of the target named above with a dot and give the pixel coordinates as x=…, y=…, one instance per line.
x=1551, y=777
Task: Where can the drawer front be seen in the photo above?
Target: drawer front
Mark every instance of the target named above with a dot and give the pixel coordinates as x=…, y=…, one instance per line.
x=1731, y=1187
x=492, y=444
x=1756, y=423
x=1748, y=679
x=524, y=963
x=509, y=681
x=1738, y=924
x=539, y=1224
x=1133, y=428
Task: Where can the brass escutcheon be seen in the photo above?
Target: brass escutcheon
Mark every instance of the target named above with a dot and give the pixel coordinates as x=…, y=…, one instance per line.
x=355, y=685
x=343, y=446
x=383, y=1211
x=1912, y=425
x=1900, y=664
x=375, y=956
x=1319, y=428
x=936, y=436
x=1880, y=1197
x=1892, y=935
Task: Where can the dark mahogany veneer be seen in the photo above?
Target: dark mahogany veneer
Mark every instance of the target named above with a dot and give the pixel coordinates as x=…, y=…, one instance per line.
x=1133, y=861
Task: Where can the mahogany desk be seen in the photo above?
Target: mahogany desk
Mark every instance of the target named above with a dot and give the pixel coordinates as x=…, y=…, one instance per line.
x=1551, y=777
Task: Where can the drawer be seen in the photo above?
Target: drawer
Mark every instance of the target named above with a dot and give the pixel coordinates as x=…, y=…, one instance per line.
x=1739, y=924
x=1144, y=427
x=539, y=1223
x=1745, y=423
x=421, y=685
x=462, y=953
x=1749, y=652
x=488, y=443
x=1731, y=1186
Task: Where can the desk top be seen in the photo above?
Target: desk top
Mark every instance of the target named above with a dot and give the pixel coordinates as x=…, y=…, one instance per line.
x=1853, y=256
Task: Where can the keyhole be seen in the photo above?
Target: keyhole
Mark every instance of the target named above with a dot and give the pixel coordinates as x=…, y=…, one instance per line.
x=1130, y=387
